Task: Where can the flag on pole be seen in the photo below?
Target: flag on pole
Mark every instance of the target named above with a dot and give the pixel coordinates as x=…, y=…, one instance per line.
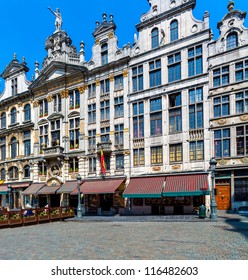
x=103, y=164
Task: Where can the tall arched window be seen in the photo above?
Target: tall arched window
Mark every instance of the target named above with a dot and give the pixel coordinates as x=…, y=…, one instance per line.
x=13, y=147
x=26, y=171
x=174, y=30
x=13, y=116
x=232, y=41
x=3, y=120
x=13, y=172
x=3, y=174
x=104, y=53
x=27, y=112
x=154, y=37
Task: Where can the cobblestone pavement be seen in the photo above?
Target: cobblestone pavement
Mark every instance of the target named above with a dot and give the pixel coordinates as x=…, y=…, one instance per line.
x=128, y=238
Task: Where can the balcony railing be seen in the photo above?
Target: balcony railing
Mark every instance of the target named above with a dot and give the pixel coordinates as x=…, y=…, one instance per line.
x=105, y=147
x=52, y=151
x=196, y=134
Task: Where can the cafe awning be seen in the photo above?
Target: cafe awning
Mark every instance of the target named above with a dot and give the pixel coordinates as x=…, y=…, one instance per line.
x=48, y=190
x=68, y=187
x=186, y=185
x=144, y=187
x=100, y=186
x=20, y=185
x=3, y=189
x=33, y=189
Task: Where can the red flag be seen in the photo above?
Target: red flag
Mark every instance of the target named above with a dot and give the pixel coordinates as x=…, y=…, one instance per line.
x=103, y=164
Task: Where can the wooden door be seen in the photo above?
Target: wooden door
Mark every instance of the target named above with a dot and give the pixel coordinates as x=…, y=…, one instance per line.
x=223, y=197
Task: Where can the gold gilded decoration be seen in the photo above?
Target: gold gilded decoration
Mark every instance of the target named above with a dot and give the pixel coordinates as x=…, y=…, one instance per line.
x=111, y=133
x=156, y=168
x=111, y=35
x=97, y=41
x=244, y=160
x=126, y=129
x=82, y=89
x=221, y=121
x=20, y=104
x=49, y=98
x=222, y=162
x=36, y=104
x=64, y=93
x=125, y=73
x=126, y=153
x=175, y=167
x=244, y=118
x=97, y=83
x=111, y=78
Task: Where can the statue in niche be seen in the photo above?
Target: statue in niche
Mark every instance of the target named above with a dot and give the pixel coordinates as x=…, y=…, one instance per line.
x=58, y=18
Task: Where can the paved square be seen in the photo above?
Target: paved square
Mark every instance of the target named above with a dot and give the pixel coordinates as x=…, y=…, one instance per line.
x=140, y=238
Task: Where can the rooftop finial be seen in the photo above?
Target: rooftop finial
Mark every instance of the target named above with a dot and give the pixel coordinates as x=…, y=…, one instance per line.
x=14, y=56
x=111, y=17
x=230, y=6
x=104, y=17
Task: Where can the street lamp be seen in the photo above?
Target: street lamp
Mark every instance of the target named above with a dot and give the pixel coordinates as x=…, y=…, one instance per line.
x=213, y=205
x=9, y=192
x=79, y=208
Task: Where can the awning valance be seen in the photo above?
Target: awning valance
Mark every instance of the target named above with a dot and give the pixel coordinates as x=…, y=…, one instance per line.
x=68, y=187
x=145, y=187
x=33, y=189
x=186, y=185
x=3, y=189
x=48, y=190
x=100, y=186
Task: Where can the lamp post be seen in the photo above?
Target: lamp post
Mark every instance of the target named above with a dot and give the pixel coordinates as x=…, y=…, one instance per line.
x=79, y=208
x=213, y=205
x=9, y=192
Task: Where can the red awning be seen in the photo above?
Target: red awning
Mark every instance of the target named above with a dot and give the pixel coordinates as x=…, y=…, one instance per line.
x=48, y=190
x=100, y=186
x=20, y=185
x=186, y=185
x=144, y=187
x=68, y=187
x=33, y=189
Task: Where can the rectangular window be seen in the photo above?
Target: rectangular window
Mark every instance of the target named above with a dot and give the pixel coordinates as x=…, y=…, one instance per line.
x=43, y=108
x=74, y=125
x=221, y=76
x=196, y=108
x=105, y=107
x=43, y=136
x=92, y=113
x=105, y=134
x=27, y=143
x=137, y=78
x=156, y=116
x=92, y=138
x=92, y=90
x=222, y=143
x=241, y=71
x=57, y=103
x=74, y=99
x=119, y=162
x=242, y=140
x=196, y=150
x=241, y=189
x=156, y=155
x=14, y=86
x=119, y=106
x=119, y=135
x=175, y=113
x=55, y=132
x=174, y=67
x=242, y=102
x=195, y=61
x=105, y=86
x=119, y=82
x=176, y=153
x=155, y=73
x=139, y=157
x=73, y=165
x=138, y=120
x=92, y=165
x=221, y=106
x=3, y=148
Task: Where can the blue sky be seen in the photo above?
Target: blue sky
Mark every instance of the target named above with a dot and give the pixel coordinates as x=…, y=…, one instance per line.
x=25, y=25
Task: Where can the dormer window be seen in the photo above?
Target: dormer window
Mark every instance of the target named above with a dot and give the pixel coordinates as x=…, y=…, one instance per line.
x=104, y=53
x=14, y=86
x=174, y=30
x=154, y=36
x=232, y=41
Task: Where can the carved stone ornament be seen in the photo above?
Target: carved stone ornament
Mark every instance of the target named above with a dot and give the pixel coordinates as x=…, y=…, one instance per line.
x=175, y=167
x=36, y=103
x=82, y=89
x=244, y=160
x=221, y=121
x=223, y=162
x=111, y=35
x=111, y=78
x=97, y=83
x=97, y=41
x=49, y=98
x=125, y=73
x=156, y=168
x=244, y=117
x=20, y=104
x=55, y=170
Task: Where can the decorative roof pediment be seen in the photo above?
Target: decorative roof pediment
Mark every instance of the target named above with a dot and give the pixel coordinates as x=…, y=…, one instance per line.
x=55, y=116
x=73, y=114
x=105, y=26
x=42, y=122
x=13, y=68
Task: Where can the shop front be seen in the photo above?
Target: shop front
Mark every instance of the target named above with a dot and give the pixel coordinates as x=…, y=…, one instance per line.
x=103, y=196
x=167, y=195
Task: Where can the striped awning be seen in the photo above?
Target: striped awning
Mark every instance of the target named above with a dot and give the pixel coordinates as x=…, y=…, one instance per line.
x=99, y=186
x=186, y=185
x=33, y=189
x=144, y=187
x=68, y=187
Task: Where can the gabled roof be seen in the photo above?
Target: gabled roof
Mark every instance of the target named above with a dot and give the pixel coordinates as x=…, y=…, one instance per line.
x=14, y=67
